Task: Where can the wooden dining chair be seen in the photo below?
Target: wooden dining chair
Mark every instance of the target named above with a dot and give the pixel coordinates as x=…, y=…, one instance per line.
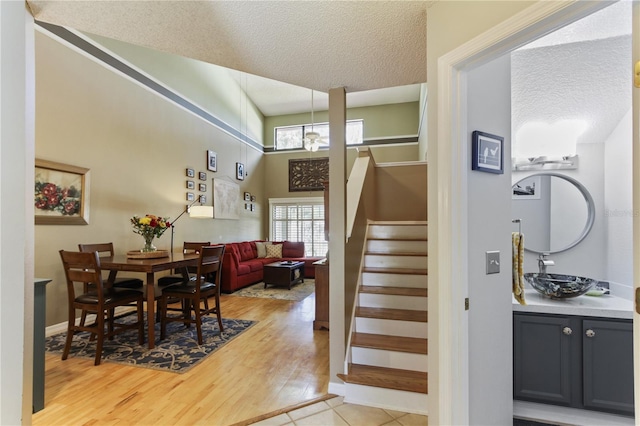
x=205, y=285
x=106, y=249
x=100, y=300
x=188, y=247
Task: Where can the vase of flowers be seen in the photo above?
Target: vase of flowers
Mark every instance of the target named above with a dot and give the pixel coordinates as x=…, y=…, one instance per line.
x=150, y=227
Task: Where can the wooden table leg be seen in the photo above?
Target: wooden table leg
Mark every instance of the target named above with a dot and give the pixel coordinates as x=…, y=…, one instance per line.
x=151, y=308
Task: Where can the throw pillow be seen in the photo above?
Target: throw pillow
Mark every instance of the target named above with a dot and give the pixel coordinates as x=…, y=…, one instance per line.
x=261, y=247
x=274, y=250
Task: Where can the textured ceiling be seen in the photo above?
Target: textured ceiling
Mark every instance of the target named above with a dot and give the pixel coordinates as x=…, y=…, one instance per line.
x=359, y=45
x=581, y=72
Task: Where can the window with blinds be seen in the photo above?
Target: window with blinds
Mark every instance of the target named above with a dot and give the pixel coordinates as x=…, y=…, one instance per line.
x=299, y=219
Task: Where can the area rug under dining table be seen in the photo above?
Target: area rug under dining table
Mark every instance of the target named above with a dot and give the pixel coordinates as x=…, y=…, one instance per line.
x=177, y=353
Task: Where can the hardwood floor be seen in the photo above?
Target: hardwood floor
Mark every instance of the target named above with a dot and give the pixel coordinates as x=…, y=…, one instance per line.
x=279, y=362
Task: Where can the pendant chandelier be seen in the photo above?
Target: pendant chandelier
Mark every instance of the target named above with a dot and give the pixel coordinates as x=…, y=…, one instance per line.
x=312, y=139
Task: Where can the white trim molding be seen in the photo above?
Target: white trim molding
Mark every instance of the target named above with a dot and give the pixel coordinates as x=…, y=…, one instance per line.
x=448, y=335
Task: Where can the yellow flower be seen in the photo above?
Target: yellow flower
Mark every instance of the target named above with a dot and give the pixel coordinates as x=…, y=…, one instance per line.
x=145, y=220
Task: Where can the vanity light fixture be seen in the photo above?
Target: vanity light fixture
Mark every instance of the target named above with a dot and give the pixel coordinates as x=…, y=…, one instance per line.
x=568, y=162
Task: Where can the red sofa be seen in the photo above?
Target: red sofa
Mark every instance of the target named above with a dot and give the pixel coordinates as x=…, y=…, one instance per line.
x=242, y=267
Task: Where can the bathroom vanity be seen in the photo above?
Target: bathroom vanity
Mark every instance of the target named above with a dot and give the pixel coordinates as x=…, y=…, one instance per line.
x=574, y=352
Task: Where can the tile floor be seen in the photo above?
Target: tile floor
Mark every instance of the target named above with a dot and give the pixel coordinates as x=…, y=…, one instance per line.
x=334, y=412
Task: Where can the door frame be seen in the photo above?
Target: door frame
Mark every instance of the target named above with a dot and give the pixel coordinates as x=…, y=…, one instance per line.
x=448, y=206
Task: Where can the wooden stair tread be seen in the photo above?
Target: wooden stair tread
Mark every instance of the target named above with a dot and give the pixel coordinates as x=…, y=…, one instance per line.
x=395, y=291
x=408, y=271
x=412, y=345
x=388, y=378
x=396, y=253
x=391, y=314
x=409, y=239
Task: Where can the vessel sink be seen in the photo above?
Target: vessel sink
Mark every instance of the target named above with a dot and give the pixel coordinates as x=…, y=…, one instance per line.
x=558, y=286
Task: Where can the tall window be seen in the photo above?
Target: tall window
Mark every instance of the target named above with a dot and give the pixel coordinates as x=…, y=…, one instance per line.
x=292, y=137
x=299, y=219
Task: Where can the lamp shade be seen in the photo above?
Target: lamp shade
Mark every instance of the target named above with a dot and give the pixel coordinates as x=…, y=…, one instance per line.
x=201, y=212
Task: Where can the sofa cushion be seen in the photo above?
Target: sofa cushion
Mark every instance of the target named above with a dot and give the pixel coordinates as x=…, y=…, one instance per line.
x=254, y=265
x=274, y=250
x=232, y=249
x=292, y=249
x=246, y=251
x=243, y=269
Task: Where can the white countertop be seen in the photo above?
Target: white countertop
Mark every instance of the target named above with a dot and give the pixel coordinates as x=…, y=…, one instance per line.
x=606, y=306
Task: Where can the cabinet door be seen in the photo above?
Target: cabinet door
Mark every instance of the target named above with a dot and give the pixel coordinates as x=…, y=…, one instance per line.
x=544, y=350
x=607, y=348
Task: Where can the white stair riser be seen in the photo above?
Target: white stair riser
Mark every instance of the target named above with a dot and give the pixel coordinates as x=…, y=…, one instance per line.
x=392, y=301
x=394, y=280
x=389, y=399
x=398, y=232
x=392, y=261
x=389, y=359
x=391, y=327
x=397, y=246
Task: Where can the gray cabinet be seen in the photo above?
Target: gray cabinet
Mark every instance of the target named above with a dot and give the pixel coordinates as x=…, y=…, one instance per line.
x=579, y=362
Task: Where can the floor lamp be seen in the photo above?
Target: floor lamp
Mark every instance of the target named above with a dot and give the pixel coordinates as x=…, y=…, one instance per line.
x=199, y=212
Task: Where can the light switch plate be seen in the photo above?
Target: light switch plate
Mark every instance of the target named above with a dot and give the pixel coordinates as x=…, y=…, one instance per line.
x=493, y=262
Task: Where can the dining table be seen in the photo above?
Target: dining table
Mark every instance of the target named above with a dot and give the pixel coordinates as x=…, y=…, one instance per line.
x=149, y=266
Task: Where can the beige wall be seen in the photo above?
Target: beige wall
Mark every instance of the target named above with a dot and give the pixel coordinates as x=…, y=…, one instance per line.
x=380, y=121
x=216, y=89
x=137, y=146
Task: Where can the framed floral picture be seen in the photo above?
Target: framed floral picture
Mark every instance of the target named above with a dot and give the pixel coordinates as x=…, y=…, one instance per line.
x=61, y=194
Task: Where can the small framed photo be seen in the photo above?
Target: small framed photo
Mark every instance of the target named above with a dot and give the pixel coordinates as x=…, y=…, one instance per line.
x=527, y=189
x=239, y=171
x=486, y=152
x=253, y=198
x=202, y=175
x=190, y=196
x=203, y=199
x=212, y=161
x=246, y=206
x=247, y=196
x=202, y=187
x=191, y=173
x=191, y=184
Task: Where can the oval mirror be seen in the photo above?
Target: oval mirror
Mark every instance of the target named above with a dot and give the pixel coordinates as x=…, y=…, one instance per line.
x=556, y=211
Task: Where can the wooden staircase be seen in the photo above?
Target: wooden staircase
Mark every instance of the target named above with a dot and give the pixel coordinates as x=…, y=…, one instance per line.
x=387, y=355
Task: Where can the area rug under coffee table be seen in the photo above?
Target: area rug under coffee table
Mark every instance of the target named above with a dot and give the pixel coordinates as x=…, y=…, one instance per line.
x=298, y=292
x=177, y=353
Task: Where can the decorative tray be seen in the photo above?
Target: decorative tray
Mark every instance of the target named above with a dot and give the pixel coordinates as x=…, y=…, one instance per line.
x=137, y=254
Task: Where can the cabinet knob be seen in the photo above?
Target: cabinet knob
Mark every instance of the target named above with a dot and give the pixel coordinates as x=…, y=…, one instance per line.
x=567, y=331
x=590, y=333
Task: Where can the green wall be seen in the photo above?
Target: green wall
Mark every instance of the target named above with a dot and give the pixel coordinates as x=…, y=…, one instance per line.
x=380, y=121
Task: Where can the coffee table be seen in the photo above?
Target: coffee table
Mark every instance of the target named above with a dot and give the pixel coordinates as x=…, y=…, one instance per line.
x=283, y=273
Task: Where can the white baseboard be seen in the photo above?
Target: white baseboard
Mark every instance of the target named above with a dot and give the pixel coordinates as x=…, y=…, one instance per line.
x=62, y=327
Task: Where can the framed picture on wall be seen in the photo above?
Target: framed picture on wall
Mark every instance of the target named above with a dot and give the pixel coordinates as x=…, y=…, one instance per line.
x=202, y=175
x=61, y=194
x=190, y=184
x=247, y=196
x=190, y=196
x=212, y=161
x=239, y=171
x=486, y=152
x=191, y=173
x=527, y=189
x=202, y=187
